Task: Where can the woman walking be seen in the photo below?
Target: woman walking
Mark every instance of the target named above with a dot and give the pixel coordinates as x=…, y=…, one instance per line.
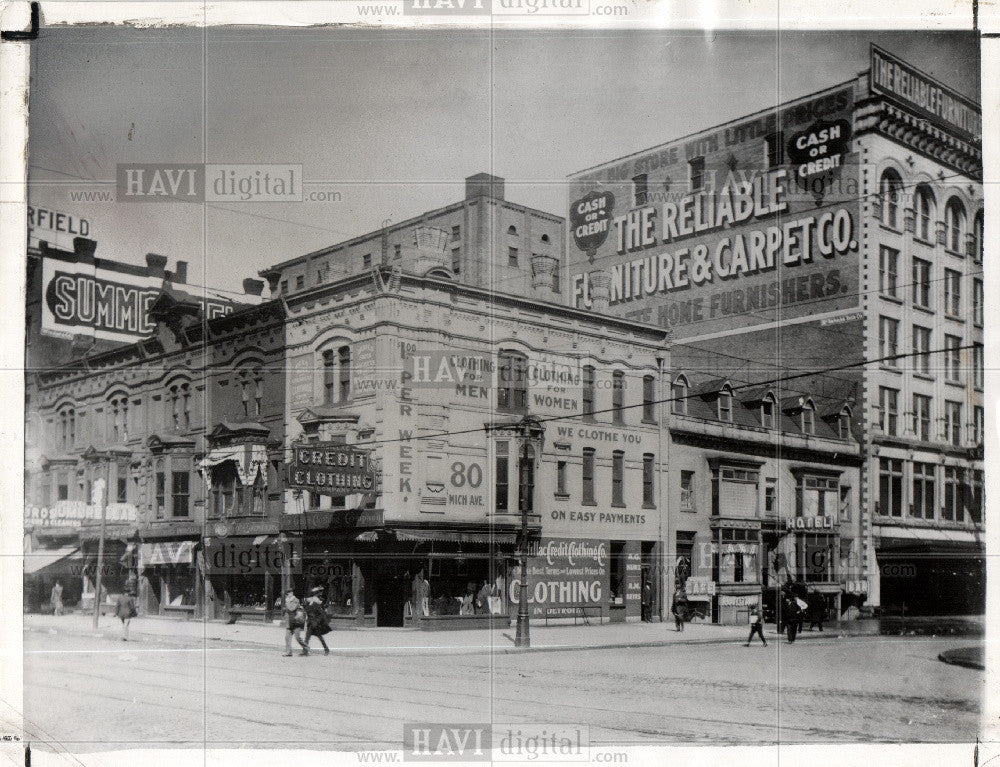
x=125, y=610
x=316, y=621
x=295, y=621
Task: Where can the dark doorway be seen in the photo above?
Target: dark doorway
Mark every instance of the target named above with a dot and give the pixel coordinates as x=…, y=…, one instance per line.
x=391, y=594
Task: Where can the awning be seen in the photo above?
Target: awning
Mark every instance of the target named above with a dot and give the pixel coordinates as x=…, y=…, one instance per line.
x=249, y=460
x=166, y=553
x=889, y=533
x=453, y=536
x=41, y=559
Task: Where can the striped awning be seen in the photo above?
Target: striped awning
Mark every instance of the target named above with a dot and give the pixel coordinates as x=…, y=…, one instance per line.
x=455, y=536
x=50, y=559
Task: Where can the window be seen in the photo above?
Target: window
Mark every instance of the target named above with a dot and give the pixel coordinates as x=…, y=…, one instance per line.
x=844, y=424
x=456, y=260
x=649, y=399
x=890, y=501
x=725, y=404
x=283, y=287
x=251, y=391
x=118, y=410
x=773, y=150
x=511, y=256
x=366, y=261
x=640, y=189
x=617, y=397
x=815, y=496
x=618, y=478
x=678, y=396
x=953, y=422
x=328, y=377
x=978, y=424
x=121, y=496
x=767, y=412
x=179, y=405
x=512, y=393
x=588, y=392
x=696, y=173
x=397, y=251
x=180, y=491
x=67, y=426
x=977, y=366
x=922, y=506
x=512, y=230
x=648, y=470
x=556, y=280
x=808, y=419
x=771, y=496
x=889, y=188
x=300, y=281
x=544, y=238
x=923, y=203
x=322, y=272
x=888, y=410
x=977, y=235
x=588, y=476
x=845, y=503
x=502, y=476
x=954, y=225
x=952, y=359
x=922, y=283
x=62, y=487
x=974, y=500
x=888, y=341
x=922, y=417
x=561, y=478
x=977, y=302
x=888, y=271
x=161, y=494
x=344, y=372
x=954, y=485
x=456, y=232
x=687, y=491
x=921, y=350
x=952, y=292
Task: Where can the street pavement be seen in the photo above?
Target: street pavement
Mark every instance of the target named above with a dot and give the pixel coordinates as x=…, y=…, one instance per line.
x=87, y=691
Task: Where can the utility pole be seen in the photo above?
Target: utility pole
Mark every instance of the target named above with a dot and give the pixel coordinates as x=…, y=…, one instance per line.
x=97, y=498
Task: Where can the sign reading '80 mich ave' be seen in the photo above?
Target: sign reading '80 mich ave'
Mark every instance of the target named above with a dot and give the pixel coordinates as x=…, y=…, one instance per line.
x=330, y=468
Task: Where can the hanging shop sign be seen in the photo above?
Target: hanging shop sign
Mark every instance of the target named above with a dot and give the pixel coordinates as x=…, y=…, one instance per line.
x=809, y=523
x=330, y=468
x=566, y=576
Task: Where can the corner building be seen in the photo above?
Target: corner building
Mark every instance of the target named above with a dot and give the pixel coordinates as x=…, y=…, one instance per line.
x=839, y=229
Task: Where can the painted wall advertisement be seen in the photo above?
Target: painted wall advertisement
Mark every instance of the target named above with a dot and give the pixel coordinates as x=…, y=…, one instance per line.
x=83, y=299
x=746, y=224
x=566, y=577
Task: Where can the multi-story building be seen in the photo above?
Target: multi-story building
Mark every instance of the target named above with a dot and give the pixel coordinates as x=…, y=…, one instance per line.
x=436, y=378
x=832, y=243
x=485, y=240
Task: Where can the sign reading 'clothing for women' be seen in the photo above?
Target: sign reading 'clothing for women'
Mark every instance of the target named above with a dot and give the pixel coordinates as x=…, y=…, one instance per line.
x=565, y=576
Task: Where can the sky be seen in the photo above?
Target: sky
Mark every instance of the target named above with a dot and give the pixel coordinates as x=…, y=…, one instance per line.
x=388, y=123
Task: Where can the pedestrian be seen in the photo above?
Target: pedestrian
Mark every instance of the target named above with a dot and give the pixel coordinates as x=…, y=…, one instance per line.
x=125, y=610
x=295, y=621
x=56, y=598
x=791, y=615
x=679, y=609
x=317, y=624
x=817, y=607
x=647, y=602
x=756, y=624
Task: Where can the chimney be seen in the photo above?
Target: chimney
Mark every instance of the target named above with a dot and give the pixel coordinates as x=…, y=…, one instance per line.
x=84, y=247
x=181, y=272
x=156, y=264
x=483, y=185
x=253, y=287
x=599, y=283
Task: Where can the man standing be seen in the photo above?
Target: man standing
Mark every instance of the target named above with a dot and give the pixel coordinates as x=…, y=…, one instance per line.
x=756, y=625
x=647, y=601
x=56, y=598
x=295, y=621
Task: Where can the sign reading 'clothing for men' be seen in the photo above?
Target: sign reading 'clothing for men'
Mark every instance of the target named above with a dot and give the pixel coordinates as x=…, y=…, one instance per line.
x=564, y=576
x=330, y=468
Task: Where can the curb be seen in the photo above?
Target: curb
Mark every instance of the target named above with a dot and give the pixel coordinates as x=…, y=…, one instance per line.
x=960, y=658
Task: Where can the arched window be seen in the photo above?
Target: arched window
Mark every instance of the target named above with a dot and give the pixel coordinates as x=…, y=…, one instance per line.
x=118, y=417
x=725, y=404
x=179, y=405
x=889, y=188
x=336, y=366
x=678, y=395
x=808, y=418
x=844, y=423
x=512, y=230
x=767, y=407
x=67, y=427
x=923, y=204
x=251, y=380
x=344, y=363
x=954, y=223
x=512, y=391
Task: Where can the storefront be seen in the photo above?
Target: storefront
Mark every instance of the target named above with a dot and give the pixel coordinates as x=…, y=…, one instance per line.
x=169, y=577
x=243, y=574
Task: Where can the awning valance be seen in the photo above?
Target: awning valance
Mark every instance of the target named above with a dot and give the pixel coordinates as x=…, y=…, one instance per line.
x=249, y=459
x=166, y=553
x=454, y=536
x=50, y=559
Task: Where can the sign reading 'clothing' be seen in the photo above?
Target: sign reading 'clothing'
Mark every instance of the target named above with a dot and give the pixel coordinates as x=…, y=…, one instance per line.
x=330, y=468
x=565, y=576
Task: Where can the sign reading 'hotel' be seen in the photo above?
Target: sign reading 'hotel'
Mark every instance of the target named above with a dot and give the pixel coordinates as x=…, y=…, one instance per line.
x=330, y=468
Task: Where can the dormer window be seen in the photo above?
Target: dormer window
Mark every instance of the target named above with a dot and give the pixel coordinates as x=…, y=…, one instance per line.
x=767, y=412
x=678, y=396
x=725, y=403
x=844, y=424
x=808, y=419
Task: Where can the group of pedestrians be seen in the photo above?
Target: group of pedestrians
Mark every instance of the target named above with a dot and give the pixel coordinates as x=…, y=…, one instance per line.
x=309, y=615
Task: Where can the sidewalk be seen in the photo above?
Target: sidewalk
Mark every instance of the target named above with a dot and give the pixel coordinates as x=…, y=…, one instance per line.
x=384, y=641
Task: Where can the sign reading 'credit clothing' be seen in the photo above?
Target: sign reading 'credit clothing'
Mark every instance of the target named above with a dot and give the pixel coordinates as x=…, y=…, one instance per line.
x=330, y=468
